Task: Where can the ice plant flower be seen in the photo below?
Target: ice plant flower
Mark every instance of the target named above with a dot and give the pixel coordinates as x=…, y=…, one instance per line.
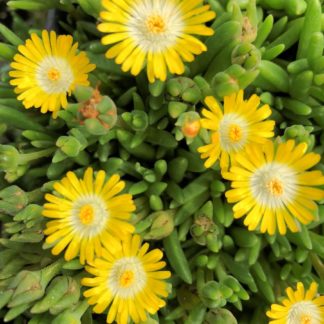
x=299, y=308
x=128, y=280
x=240, y=122
x=154, y=33
x=47, y=69
x=88, y=215
x=272, y=187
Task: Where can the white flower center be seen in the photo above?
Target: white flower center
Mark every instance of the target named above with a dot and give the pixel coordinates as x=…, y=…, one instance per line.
x=304, y=312
x=54, y=75
x=89, y=215
x=233, y=131
x=273, y=185
x=155, y=24
x=127, y=277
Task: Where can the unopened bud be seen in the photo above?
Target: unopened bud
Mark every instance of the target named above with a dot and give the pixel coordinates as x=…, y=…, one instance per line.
x=69, y=145
x=28, y=289
x=72, y=315
x=185, y=89
x=162, y=225
x=12, y=200
x=32, y=284
x=220, y=316
x=189, y=122
x=212, y=296
x=54, y=292
x=137, y=119
x=9, y=158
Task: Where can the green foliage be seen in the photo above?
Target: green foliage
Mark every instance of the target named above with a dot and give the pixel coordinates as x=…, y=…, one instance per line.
x=222, y=273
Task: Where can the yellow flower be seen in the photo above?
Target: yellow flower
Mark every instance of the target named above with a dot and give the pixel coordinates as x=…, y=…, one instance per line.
x=89, y=215
x=299, y=308
x=156, y=33
x=47, y=69
x=127, y=279
x=272, y=188
x=240, y=122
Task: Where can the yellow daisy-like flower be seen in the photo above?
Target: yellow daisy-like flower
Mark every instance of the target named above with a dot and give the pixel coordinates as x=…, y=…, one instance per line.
x=89, y=215
x=157, y=33
x=240, y=123
x=48, y=68
x=272, y=188
x=128, y=280
x=299, y=308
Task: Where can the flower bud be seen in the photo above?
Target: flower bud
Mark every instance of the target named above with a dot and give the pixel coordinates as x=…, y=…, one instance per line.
x=162, y=225
x=54, y=292
x=9, y=158
x=13, y=175
x=72, y=315
x=185, y=89
x=12, y=200
x=224, y=83
x=137, y=120
x=212, y=296
x=220, y=316
x=189, y=123
x=31, y=285
x=69, y=145
x=246, y=55
x=28, y=289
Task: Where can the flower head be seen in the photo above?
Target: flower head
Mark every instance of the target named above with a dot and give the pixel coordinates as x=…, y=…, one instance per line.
x=189, y=123
x=299, y=308
x=240, y=122
x=129, y=280
x=272, y=188
x=89, y=215
x=154, y=32
x=47, y=69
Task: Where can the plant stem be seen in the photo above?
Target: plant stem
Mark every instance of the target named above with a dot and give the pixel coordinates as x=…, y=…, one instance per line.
x=27, y=157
